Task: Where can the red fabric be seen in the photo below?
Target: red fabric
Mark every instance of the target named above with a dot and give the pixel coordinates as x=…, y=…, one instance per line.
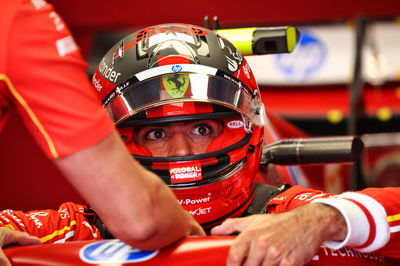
x=44, y=76
x=389, y=198
x=68, y=223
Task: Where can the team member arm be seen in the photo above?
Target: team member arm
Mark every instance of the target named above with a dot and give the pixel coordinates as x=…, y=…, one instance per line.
x=62, y=111
x=135, y=204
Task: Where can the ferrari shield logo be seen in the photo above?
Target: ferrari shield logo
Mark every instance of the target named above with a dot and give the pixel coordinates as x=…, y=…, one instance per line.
x=176, y=85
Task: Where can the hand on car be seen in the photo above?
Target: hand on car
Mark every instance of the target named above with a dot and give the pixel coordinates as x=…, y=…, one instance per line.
x=8, y=236
x=289, y=238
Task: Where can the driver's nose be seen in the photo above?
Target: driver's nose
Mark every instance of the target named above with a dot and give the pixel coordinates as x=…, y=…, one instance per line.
x=180, y=145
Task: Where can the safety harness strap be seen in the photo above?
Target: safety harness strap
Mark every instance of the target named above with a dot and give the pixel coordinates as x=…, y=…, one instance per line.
x=263, y=194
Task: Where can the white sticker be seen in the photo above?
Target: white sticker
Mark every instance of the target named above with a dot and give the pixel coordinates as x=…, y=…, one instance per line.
x=66, y=45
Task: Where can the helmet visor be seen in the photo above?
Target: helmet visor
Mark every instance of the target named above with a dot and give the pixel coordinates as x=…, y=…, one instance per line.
x=183, y=87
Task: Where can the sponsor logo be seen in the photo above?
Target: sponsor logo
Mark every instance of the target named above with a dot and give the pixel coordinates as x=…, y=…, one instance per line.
x=38, y=4
x=120, y=88
x=176, y=85
x=66, y=46
x=186, y=174
x=234, y=60
x=109, y=98
x=114, y=251
x=177, y=68
x=235, y=124
x=232, y=64
x=58, y=22
x=349, y=252
x=308, y=58
x=108, y=72
x=238, y=82
x=195, y=201
x=200, y=211
x=16, y=219
x=246, y=70
x=33, y=217
x=96, y=83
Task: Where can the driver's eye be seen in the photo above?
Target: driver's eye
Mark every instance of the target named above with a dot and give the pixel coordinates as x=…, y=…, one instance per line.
x=202, y=130
x=155, y=134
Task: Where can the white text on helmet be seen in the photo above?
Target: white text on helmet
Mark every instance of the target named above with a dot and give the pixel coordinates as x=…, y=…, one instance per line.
x=185, y=170
x=200, y=211
x=185, y=174
x=194, y=201
x=108, y=72
x=96, y=83
x=235, y=124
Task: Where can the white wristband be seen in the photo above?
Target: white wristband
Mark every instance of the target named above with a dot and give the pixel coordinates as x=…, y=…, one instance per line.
x=358, y=227
x=378, y=215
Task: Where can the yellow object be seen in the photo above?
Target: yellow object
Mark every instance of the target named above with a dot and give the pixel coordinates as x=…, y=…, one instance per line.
x=393, y=218
x=242, y=38
x=384, y=114
x=176, y=84
x=291, y=38
x=334, y=116
x=58, y=232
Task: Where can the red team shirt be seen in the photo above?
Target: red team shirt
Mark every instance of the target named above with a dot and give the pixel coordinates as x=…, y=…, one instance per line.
x=43, y=76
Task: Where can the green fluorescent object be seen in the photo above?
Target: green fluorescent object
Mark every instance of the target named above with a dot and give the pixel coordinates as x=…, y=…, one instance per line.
x=262, y=40
x=242, y=38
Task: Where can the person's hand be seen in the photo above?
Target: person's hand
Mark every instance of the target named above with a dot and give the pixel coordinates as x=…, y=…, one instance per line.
x=195, y=227
x=8, y=236
x=290, y=238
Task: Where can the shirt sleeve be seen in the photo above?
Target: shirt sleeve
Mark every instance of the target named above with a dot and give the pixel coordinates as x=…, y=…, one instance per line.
x=372, y=216
x=49, y=85
x=373, y=220
x=294, y=197
x=69, y=223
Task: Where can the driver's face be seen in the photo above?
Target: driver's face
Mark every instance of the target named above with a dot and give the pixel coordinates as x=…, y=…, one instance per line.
x=178, y=139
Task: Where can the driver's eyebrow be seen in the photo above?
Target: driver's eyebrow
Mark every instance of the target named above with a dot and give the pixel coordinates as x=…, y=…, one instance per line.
x=184, y=123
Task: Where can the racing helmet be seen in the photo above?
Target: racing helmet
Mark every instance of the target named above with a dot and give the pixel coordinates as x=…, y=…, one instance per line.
x=178, y=73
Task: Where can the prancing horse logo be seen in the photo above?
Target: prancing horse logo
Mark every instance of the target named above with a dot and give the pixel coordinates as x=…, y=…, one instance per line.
x=176, y=84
